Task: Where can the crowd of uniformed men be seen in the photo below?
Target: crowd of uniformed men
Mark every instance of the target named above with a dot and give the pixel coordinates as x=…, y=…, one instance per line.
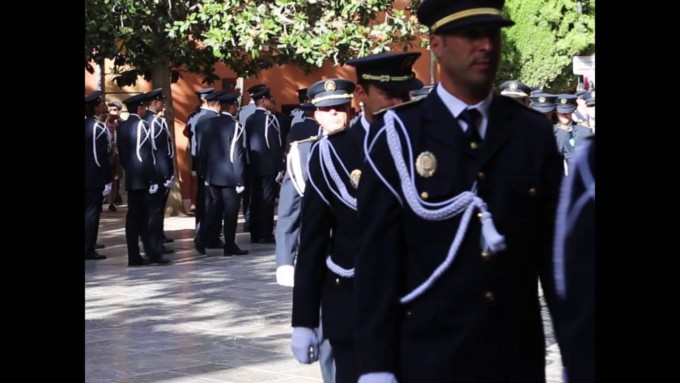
x=413, y=234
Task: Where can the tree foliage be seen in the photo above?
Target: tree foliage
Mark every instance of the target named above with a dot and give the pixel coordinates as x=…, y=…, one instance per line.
x=250, y=36
x=539, y=48
x=133, y=34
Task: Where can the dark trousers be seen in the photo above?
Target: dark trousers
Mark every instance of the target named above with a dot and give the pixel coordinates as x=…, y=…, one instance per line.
x=200, y=205
x=262, y=207
x=165, y=203
x=246, y=198
x=222, y=205
x=157, y=214
x=136, y=227
x=93, y=208
x=345, y=367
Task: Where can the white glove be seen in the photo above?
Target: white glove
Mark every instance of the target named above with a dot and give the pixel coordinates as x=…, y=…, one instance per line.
x=153, y=188
x=305, y=345
x=285, y=275
x=279, y=177
x=168, y=182
x=107, y=189
x=240, y=189
x=378, y=377
x=206, y=183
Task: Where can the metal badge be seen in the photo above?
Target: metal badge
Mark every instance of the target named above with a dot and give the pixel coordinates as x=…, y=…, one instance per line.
x=563, y=101
x=513, y=85
x=329, y=86
x=355, y=176
x=541, y=99
x=426, y=164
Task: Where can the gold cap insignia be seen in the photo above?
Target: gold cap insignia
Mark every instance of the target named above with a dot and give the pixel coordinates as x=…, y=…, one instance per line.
x=426, y=164
x=541, y=99
x=329, y=86
x=563, y=101
x=513, y=85
x=355, y=176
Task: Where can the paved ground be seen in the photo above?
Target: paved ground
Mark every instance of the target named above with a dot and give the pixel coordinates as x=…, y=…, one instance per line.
x=202, y=319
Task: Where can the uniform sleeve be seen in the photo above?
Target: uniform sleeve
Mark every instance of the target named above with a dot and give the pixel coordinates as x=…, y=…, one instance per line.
x=310, y=269
x=379, y=260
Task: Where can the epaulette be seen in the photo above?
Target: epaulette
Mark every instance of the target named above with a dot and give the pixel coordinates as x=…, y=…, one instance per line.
x=410, y=102
x=310, y=139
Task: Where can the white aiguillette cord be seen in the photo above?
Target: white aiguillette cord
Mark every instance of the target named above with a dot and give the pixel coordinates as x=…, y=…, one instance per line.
x=464, y=203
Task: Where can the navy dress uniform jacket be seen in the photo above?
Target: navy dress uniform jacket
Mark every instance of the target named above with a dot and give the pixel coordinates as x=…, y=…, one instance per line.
x=264, y=160
x=140, y=172
x=481, y=320
x=97, y=167
x=219, y=134
x=165, y=152
x=327, y=230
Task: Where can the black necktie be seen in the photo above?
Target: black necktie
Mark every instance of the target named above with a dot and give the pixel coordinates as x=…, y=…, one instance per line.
x=471, y=117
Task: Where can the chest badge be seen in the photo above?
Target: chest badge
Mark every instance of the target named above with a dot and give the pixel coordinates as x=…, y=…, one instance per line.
x=355, y=176
x=426, y=164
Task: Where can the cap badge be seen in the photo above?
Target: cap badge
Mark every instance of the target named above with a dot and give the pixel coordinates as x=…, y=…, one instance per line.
x=541, y=99
x=329, y=86
x=563, y=101
x=355, y=176
x=513, y=85
x=426, y=164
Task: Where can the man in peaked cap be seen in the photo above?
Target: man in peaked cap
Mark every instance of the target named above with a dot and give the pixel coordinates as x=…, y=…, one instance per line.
x=265, y=151
x=141, y=182
x=517, y=90
x=568, y=134
x=163, y=153
x=221, y=158
x=97, y=171
x=580, y=115
x=325, y=259
x=451, y=242
x=188, y=132
x=590, y=104
x=383, y=80
x=544, y=103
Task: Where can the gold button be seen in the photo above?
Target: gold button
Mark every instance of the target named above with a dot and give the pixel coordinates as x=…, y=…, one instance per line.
x=481, y=176
x=337, y=281
x=424, y=195
x=532, y=191
x=489, y=296
x=474, y=145
x=480, y=215
x=486, y=255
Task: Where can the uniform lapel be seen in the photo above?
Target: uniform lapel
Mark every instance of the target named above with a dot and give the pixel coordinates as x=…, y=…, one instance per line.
x=499, y=130
x=439, y=124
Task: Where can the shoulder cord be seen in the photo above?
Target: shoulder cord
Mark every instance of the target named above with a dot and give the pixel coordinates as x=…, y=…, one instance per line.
x=464, y=203
x=98, y=129
x=238, y=132
x=163, y=124
x=566, y=217
x=142, y=128
x=294, y=169
x=328, y=169
x=270, y=119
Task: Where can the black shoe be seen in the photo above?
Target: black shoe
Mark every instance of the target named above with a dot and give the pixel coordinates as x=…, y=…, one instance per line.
x=99, y=246
x=161, y=261
x=267, y=240
x=112, y=207
x=199, y=246
x=138, y=262
x=168, y=240
x=167, y=250
x=236, y=251
x=95, y=255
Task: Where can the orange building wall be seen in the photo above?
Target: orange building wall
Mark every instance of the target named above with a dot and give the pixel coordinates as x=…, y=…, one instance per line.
x=284, y=81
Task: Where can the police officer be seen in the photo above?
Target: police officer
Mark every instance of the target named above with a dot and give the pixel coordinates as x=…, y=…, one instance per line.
x=575, y=267
x=302, y=136
x=544, y=103
x=516, y=90
x=325, y=261
x=190, y=132
x=243, y=115
x=569, y=135
x=163, y=154
x=97, y=171
x=265, y=151
x=456, y=214
x=141, y=182
x=580, y=115
x=221, y=159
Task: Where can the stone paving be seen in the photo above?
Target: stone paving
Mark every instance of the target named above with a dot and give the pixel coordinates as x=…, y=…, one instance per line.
x=201, y=319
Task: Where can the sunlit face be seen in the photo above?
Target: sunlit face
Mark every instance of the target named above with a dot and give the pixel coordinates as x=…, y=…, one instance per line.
x=113, y=110
x=564, y=118
x=332, y=118
x=375, y=99
x=158, y=105
x=469, y=56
